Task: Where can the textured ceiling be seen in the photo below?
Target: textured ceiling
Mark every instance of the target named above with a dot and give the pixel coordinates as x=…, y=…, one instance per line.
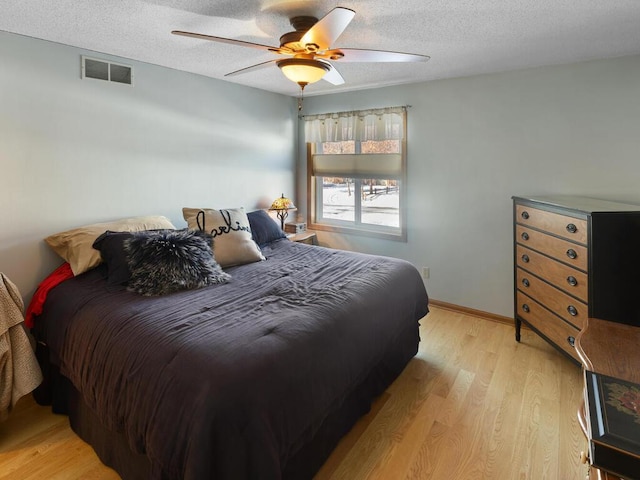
x=461, y=37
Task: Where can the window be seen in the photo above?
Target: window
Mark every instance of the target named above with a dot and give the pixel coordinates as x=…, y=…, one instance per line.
x=356, y=172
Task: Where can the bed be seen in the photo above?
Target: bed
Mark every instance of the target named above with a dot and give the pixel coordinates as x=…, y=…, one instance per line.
x=258, y=377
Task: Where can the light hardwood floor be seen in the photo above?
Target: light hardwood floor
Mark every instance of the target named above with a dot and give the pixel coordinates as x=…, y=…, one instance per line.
x=473, y=404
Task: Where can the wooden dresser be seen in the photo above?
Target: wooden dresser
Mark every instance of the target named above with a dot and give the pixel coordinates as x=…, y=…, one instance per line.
x=574, y=258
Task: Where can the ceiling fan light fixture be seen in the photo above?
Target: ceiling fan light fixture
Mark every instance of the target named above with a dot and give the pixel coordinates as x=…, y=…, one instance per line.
x=303, y=70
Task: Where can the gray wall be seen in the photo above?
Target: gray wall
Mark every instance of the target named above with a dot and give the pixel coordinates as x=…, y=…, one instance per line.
x=76, y=151
x=474, y=142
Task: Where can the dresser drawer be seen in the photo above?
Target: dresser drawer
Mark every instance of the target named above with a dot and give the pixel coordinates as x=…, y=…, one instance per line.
x=567, y=252
x=569, y=308
x=566, y=278
x=551, y=326
x=571, y=228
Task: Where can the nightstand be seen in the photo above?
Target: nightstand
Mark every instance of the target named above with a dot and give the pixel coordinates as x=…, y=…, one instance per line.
x=305, y=237
x=609, y=349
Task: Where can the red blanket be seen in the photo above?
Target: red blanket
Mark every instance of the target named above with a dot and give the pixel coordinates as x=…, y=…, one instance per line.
x=59, y=275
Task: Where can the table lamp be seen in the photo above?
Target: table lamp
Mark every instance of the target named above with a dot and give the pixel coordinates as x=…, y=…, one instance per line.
x=281, y=206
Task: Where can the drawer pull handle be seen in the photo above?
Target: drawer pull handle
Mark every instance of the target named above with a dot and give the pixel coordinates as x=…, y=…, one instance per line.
x=573, y=311
x=571, y=228
x=525, y=215
x=572, y=341
x=525, y=258
x=525, y=282
x=525, y=236
x=526, y=308
x=572, y=281
x=572, y=254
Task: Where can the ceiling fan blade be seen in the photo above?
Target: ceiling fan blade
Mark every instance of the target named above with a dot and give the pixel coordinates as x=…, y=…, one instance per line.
x=332, y=76
x=257, y=66
x=232, y=41
x=363, y=55
x=328, y=28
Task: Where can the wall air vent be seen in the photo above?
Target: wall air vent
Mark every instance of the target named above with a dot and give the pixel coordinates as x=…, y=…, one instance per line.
x=109, y=71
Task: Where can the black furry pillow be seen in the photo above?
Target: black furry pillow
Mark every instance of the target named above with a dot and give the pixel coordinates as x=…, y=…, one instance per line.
x=166, y=261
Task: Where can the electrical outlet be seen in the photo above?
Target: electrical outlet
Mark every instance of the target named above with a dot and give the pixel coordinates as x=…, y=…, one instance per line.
x=425, y=272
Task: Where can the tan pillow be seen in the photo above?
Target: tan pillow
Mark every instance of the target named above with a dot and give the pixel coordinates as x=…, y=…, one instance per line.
x=76, y=245
x=232, y=241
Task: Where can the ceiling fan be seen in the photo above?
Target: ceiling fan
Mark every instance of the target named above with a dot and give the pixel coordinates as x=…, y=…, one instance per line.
x=308, y=49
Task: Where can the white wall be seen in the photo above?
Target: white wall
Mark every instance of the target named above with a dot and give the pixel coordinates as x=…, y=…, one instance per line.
x=475, y=142
x=76, y=151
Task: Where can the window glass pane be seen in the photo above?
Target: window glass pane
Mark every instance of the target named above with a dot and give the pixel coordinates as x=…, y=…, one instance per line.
x=382, y=146
x=338, y=199
x=334, y=148
x=381, y=202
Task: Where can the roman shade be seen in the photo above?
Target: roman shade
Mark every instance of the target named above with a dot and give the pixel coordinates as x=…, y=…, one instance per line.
x=385, y=166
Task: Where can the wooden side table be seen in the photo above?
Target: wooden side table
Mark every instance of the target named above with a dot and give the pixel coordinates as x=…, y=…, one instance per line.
x=308, y=237
x=607, y=348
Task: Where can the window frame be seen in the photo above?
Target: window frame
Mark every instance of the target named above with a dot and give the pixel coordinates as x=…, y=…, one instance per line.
x=314, y=198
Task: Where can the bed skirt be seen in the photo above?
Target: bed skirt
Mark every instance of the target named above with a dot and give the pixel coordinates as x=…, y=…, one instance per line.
x=113, y=450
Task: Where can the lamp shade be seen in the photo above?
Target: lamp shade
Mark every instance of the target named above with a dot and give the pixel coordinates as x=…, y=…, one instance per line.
x=303, y=70
x=282, y=203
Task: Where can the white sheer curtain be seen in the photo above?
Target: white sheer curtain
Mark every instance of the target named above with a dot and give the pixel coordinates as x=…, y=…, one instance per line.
x=361, y=125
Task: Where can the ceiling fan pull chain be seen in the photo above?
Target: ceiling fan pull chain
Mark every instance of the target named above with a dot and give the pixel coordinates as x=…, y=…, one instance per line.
x=301, y=98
